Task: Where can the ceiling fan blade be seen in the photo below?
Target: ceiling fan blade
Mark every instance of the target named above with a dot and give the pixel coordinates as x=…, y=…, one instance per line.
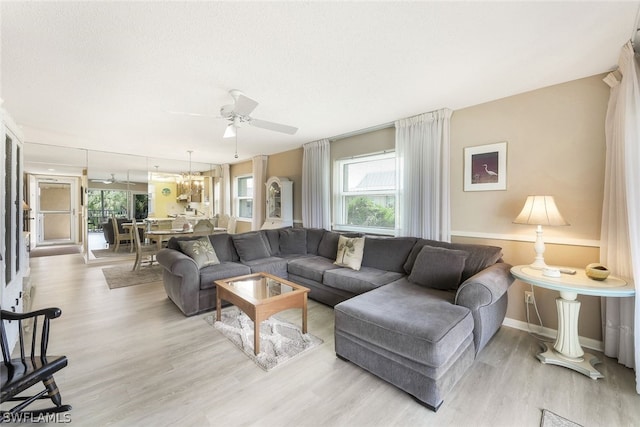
x=184, y=113
x=244, y=105
x=273, y=126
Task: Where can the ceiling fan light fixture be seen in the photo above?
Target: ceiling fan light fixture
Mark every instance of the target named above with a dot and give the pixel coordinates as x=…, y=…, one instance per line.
x=230, y=131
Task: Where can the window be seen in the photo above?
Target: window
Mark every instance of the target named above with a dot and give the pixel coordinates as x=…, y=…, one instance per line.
x=366, y=194
x=244, y=197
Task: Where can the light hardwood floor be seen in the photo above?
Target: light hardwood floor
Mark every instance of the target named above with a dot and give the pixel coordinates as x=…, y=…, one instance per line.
x=135, y=360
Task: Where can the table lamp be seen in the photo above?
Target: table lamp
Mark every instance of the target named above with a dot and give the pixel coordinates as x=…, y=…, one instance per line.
x=539, y=211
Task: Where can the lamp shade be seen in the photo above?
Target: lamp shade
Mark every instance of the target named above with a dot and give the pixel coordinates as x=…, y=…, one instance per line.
x=230, y=131
x=540, y=210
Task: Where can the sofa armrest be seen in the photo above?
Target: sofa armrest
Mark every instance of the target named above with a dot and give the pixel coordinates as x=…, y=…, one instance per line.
x=485, y=294
x=177, y=263
x=181, y=279
x=485, y=287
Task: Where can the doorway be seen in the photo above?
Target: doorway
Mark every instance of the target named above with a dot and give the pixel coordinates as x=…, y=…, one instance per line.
x=56, y=211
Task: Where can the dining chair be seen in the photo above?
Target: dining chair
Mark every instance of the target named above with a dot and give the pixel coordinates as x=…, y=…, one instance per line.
x=143, y=250
x=179, y=223
x=118, y=237
x=231, y=225
x=223, y=221
x=203, y=226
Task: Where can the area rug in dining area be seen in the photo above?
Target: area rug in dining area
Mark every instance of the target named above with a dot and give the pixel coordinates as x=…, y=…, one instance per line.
x=280, y=341
x=550, y=419
x=123, y=276
x=123, y=251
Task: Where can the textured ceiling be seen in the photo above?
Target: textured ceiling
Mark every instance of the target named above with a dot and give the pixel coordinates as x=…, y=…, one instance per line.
x=106, y=76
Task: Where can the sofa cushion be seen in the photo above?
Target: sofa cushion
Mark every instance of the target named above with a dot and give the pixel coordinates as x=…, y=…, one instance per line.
x=311, y=267
x=200, y=250
x=293, y=241
x=417, y=323
x=328, y=246
x=359, y=281
x=224, y=270
x=438, y=268
x=350, y=251
x=387, y=253
x=272, y=265
x=479, y=256
x=314, y=236
x=251, y=246
x=272, y=237
x=223, y=245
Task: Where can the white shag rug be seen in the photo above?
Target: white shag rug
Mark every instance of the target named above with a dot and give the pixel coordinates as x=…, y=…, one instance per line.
x=550, y=419
x=280, y=341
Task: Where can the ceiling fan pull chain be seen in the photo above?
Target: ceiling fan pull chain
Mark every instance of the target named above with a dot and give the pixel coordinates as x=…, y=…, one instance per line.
x=236, y=153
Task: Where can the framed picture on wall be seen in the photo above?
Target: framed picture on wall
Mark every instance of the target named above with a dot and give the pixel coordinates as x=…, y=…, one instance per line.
x=485, y=167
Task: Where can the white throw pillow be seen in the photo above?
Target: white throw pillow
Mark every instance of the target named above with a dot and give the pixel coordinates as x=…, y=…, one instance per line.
x=350, y=251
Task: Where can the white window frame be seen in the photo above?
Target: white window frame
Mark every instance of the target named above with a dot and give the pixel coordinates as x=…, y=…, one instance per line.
x=237, y=198
x=339, y=205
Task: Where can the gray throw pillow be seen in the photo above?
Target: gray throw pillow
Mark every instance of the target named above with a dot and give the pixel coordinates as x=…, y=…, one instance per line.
x=251, y=246
x=438, y=268
x=200, y=250
x=479, y=256
x=293, y=241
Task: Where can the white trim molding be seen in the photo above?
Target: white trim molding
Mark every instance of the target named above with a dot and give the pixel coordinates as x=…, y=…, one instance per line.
x=550, y=333
x=528, y=238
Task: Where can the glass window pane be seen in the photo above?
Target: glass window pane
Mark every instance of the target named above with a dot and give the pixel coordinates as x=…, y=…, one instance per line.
x=55, y=197
x=370, y=175
x=371, y=211
x=246, y=208
x=245, y=186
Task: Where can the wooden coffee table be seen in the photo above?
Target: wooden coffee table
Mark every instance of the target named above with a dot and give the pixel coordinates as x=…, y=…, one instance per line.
x=259, y=296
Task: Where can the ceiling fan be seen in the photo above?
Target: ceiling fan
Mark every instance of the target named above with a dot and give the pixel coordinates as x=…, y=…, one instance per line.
x=111, y=180
x=239, y=113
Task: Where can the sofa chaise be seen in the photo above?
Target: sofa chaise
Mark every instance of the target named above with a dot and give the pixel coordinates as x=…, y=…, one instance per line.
x=414, y=312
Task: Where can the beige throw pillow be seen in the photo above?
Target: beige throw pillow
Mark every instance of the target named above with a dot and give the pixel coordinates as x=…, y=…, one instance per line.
x=350, y=251
x=200, y=250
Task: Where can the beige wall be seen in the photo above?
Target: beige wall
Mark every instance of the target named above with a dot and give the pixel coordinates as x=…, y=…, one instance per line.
x=367, y=143
x=555, y=146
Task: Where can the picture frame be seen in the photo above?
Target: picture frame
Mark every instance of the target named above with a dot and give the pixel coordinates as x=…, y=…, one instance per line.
x=485, y=167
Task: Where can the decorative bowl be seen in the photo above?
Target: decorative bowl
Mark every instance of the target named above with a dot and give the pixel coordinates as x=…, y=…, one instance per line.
x=597, y=271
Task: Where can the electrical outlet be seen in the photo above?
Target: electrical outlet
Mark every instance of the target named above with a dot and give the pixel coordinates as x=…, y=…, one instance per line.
x=528, y=297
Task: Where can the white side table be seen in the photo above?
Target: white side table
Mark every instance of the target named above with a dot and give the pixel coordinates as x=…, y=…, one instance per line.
x=566, y=351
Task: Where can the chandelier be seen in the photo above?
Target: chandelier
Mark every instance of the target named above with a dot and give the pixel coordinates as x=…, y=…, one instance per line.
x=189, y=184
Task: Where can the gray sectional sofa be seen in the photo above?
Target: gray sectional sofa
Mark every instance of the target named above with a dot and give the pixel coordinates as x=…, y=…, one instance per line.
x=415, y=314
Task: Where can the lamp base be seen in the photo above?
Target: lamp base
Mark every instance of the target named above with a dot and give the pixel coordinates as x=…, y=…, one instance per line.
x=538, y=263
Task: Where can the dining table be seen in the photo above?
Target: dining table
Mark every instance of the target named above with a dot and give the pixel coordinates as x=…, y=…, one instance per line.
x=161, y=236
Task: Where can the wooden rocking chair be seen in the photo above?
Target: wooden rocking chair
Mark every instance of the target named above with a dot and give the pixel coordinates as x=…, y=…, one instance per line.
x=30, y=368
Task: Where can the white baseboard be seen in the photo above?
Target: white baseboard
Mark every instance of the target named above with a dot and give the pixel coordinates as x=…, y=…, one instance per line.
x=551, y=333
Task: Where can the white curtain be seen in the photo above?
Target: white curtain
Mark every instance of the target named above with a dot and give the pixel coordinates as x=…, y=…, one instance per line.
x=259, y=180
x=226, y=189
x=316, y=192
x=620, y=236
x=422, y=152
